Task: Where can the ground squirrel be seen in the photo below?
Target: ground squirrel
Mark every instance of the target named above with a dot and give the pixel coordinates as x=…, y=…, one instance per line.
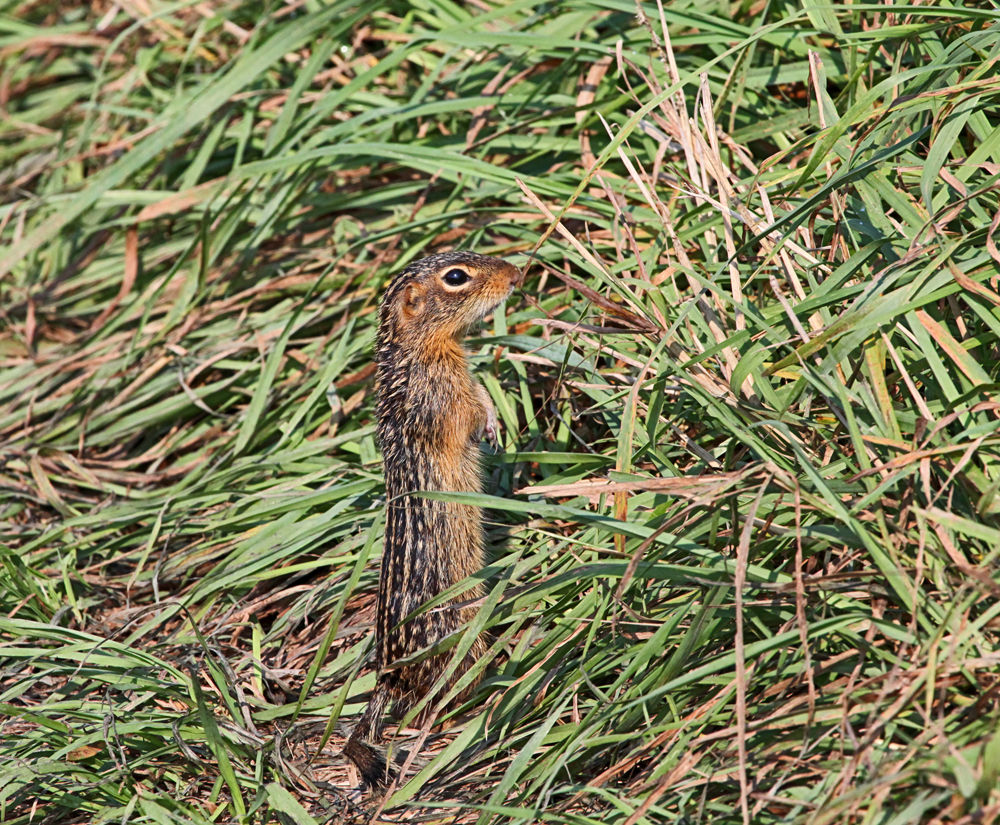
x=431, y=414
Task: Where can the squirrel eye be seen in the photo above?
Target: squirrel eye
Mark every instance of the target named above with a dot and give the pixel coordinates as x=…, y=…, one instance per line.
x=456, y=277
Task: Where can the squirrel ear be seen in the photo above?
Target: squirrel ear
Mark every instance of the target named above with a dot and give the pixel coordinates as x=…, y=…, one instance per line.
x=412, y=300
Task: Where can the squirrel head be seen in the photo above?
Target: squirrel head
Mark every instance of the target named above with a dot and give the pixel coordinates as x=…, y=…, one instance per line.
x=441, y=296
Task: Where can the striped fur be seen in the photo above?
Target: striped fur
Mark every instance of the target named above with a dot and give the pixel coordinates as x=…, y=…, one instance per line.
x=431, y=417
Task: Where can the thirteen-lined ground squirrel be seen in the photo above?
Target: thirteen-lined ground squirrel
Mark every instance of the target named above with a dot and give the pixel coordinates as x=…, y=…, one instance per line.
x=431, y=414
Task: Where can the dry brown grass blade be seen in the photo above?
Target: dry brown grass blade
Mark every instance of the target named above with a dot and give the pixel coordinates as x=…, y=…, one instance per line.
x=693, y=487
x=608, y=306
x=177, y=202
x=586, y=93
x=953, y=348
x=128, y=278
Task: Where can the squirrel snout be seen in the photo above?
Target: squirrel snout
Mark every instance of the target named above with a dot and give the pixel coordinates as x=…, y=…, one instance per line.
x=517, y=276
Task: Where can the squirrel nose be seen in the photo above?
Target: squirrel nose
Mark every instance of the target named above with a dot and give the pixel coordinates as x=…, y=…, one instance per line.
x=517, y=278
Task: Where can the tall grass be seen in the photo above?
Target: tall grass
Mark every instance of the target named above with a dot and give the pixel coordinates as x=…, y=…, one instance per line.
x=746, y=517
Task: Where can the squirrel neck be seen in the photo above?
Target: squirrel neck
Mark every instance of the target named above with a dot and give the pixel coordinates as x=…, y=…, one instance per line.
x=428, y=414
x=416, y=363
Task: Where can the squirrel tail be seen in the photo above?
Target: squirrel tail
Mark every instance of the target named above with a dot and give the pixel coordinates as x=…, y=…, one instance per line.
x=362, y=747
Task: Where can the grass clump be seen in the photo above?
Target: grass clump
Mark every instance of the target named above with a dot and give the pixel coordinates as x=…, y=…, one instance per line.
x=746, y=516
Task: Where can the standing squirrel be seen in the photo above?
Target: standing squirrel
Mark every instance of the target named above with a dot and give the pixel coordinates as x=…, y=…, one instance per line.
x=431, y=415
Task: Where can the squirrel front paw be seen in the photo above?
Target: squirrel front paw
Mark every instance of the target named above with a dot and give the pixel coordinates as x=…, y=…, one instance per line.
x=491, y=429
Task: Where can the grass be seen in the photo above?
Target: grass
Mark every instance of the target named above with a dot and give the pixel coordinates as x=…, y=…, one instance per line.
x=746, y=516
